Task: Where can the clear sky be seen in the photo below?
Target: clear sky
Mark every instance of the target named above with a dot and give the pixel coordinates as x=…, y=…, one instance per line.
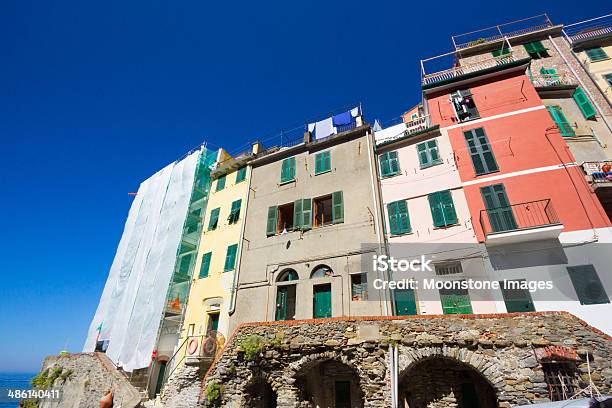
x=97, y=96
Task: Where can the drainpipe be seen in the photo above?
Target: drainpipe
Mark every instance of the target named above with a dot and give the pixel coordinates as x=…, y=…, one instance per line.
x=375, y=200
x=392, y=376
x=580, y=82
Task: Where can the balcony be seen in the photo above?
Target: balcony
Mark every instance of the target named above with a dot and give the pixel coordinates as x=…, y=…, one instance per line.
x=596, y=174
x=530, y=221
x=464, y=70
x=553, y=80
x=589, y=31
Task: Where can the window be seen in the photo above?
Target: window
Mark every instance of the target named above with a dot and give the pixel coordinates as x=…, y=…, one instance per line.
x=516, y=297
x=399, y=221
x=442, y=208
x=288, y=275
x=596, y=54
x=302, y=214
x=220, y=183
x=480, y=151
x=321, y=271
x=234, y=212
x=280, y=219
x=588, y=111
x=561, y=379
x=389, y=164
x=323, y=211
x=455, y=301
x=428, y=153
x=241, y=174
x=588, y=287
x=448, y=268
x=230, y=258
x=214, y=219
x=501, y=52
x=536, y=50
x=561, y=121
x=205, y=264
x=359, y=286
x=608, y=78
x=337, y=207
x=185, y=264
x=288, y=170
x=464, y=105
x=213, y=323
x=550, y=76
x=322, y=162
x=191, y=329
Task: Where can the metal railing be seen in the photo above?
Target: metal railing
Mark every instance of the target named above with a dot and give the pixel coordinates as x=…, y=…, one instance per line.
x=466, y=69
x=593, y=28
x=595, y=171
x=532, y=214
x=546, y=80
x=418, y=124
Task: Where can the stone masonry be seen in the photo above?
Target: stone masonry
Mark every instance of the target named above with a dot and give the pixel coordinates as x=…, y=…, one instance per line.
x=442, y=360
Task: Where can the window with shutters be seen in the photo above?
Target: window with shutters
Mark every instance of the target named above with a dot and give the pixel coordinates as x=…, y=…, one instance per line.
x=550, y=76
x=322, y=162
x=536, y=50
x=399, y=220
x=448, y=268
x=285, y=219
x=502, y=52
x=480, y=151
x=220, y=183
x=322, y=211
x=442, y=208
x=230, y=258
x=359, y=286
x=234, y=212
x=302, y=214
x=587, y=109
x=205, y=266
x=241, y=175
x=561, y=121
x=428, y=153
x=389, y=164
x=455, y=301
x=596, y=54
x=288, y=170
x=588, y=287
x=214, y=219
x=464, y=105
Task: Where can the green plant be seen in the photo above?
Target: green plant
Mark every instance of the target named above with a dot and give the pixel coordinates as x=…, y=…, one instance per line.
x=232, y=368
x=251, y=345
x=40, y=379
x=29, y=404
x=55, y=374
x=213, y=392
x=66, y=375
x=278, y=339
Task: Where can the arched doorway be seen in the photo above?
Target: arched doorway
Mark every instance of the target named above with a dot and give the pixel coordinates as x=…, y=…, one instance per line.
x=444, y=382
x=285, y=295
x=329, y=384
x=259, y=394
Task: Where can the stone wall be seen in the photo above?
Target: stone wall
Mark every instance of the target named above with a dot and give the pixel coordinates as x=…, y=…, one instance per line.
x=183, y=388
x=490, y=357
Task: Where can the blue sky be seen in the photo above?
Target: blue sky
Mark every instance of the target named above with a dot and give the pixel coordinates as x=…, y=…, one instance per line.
x=97, y=96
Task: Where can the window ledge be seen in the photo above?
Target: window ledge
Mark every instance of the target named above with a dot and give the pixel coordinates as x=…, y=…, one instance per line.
x=447, y=226
x=400, y=235
x=391, y=175
x=487, y=173
x=282, y=183
x=322, y=172
x=431, y=165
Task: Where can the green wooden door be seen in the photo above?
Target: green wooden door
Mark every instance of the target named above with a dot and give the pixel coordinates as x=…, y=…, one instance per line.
x=322, y=301
x=517, y=300
x=160, y=377
x=285, y=302
x=498, y=208
x=455, y=302
x=213, y=322
x=405, y=302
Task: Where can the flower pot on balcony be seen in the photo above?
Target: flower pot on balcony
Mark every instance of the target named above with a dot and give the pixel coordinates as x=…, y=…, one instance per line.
x=606, y=167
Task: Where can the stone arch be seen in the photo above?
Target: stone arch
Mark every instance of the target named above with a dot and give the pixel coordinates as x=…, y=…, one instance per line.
x=321, y=271
x=259, y=391
x=432, y=377
x=287, y=275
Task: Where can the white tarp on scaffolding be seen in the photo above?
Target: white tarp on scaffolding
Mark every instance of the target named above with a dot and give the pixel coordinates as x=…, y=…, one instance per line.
x=134, y=297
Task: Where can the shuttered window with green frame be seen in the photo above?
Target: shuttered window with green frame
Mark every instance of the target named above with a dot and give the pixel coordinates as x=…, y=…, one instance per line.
x=389, y=164
x=399, y=220
x=480, y=151
x=588, y=287
x=536, y=50
x=234, y=212
x=587, y=109
x=442, y=208
x=302, y=214
x=230, y=257
x=501, y=52
x=220, y=183
x=288, y=170
x=596, y=54
x=272, y=221
x=205, y=266
x=550, y=76
x=561, y=121
x=322, y=162
x=241, y=174
x=428, y=153
x=337, y=207
x=455, y=301
x=214, y=219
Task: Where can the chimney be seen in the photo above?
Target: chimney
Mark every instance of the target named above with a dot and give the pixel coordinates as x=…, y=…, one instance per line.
x=307, y=137
x=257, y=148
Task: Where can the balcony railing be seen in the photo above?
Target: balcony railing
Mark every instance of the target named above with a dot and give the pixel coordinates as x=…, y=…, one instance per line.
x=466, y=69
x=598, y=27
x=595, y=172
x=516, y=217
x=549, y=80
x=418, y=125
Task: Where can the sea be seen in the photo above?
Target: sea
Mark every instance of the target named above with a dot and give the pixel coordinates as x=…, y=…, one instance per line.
x=13, y=381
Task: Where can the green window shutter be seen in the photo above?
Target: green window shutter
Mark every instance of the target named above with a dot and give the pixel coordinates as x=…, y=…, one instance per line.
x=389, y=164
x=588, y=111
x=337, y=207
x=596, y=54
x=448, y=207
x=502, y=52
x=399, y=221
x=394, y=163
x=272, y=221
x=529, y=47
x=436, y=209
x=241, y=174
x=288, y=170
x=588, y=287
x=306, y=214
x=205, y=264
x=235, y=212
x=480, y=151
x=423, y=156
x=428, y=153
x=322, y=162
x=561, y=121
x=538, y=46
x=220, y=183
x=297, y=214
x=318, y=163
x=230, y=258
x=214, y=219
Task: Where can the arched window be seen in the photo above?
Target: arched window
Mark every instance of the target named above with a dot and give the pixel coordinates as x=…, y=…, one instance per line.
x=321, y=271
x=288, y=275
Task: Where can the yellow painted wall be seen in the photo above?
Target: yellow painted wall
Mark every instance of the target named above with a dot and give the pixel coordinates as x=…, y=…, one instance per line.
x=216, y=287
x=598, y=69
